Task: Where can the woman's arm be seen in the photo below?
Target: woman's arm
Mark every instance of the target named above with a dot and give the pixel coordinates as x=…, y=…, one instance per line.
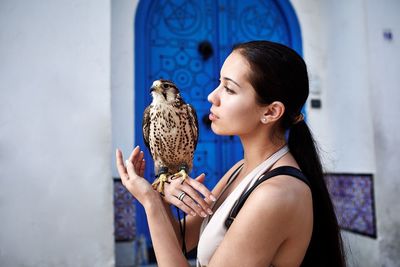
x=174, y=221
x=166, y=246
x=165, y=243
x=193, y=224
x=196, y=204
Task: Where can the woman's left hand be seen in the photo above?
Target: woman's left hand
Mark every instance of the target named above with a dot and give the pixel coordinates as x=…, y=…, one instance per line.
x=132, y=175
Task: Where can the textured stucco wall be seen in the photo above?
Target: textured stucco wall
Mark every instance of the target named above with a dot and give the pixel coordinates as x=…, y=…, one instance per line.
x=384, y=64
x=336, y=52
x=55, y=134
x=122, y=97
x=122, y=76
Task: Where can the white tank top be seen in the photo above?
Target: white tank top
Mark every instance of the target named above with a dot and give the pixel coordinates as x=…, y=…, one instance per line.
x=213, y=230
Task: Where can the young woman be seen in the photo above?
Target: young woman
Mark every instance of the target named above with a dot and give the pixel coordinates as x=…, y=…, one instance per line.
x=286, y=221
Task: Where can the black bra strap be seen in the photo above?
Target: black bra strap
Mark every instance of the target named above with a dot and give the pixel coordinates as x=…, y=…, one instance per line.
x=283, y=170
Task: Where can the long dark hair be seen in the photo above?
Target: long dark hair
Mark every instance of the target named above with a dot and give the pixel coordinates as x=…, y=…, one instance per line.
x=278, y=73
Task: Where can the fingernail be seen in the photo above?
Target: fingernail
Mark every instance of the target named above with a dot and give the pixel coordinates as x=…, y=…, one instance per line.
x=193, y=213
x=213, y=198
x=126, y=162
x=203, y=214
x=209, y=211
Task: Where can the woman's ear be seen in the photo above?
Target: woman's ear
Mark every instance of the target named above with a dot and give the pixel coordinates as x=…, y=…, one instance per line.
x=273, y=112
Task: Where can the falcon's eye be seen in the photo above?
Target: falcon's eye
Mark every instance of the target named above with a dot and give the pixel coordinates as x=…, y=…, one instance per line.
x=164, y=86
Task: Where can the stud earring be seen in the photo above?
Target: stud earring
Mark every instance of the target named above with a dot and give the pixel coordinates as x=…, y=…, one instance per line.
x=264, y=120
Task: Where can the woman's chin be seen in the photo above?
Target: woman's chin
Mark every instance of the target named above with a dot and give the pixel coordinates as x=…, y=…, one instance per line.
x=215, y=129
x=218, y=130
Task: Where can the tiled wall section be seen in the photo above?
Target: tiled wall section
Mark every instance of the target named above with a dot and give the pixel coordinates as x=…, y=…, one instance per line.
x=353, y=198
x=124, y=213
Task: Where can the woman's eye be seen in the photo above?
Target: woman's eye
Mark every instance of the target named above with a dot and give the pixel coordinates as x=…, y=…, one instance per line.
x=229, y=91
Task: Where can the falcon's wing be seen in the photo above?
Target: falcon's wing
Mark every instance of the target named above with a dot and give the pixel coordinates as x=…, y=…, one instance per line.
x=194, y=124
x=146, y=126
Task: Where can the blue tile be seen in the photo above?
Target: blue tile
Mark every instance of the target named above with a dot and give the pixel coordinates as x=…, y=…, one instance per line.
x=353, y=198
x=124, y=213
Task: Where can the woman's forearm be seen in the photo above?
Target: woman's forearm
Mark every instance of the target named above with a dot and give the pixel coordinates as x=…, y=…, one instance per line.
x=165, y=242
x=174, y=221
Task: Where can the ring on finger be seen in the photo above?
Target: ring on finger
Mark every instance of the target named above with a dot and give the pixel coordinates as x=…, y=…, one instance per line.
x=181, y=196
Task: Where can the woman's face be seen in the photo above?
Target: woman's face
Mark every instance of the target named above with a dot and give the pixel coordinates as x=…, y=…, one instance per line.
x=234, y=110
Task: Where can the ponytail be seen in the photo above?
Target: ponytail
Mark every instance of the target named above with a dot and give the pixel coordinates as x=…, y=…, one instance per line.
x=326, y=246
x=278, y=73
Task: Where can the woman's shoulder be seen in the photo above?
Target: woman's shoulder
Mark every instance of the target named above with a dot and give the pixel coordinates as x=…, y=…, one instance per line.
x=286, y=198
x=289, y=186
x=277, y=212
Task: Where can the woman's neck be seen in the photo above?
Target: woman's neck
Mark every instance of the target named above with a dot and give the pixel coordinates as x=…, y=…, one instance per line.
x=256, y=150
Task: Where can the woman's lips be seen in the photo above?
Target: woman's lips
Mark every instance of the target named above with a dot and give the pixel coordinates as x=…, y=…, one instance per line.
x=212, y=116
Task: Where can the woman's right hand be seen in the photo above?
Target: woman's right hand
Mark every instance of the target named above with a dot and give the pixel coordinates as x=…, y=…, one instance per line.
x=190, y=201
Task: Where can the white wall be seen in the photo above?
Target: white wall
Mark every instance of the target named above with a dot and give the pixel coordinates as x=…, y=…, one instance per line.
x=122, y=76
x=122, y=97
x=55, y=134
x=335, y=49
x=384, y=69
x=357, y=74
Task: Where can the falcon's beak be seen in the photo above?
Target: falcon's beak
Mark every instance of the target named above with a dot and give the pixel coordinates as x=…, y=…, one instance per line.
x=157, y=89
x=156, y=86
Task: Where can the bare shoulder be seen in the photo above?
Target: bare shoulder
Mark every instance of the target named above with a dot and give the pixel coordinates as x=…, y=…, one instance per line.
x=284, y=201
x=283, y=193
x=268, y=225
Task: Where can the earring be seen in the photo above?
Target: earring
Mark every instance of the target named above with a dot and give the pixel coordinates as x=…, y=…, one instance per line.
x=264, y=120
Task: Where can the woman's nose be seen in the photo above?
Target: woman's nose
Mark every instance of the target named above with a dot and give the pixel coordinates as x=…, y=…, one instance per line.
x=213, y=96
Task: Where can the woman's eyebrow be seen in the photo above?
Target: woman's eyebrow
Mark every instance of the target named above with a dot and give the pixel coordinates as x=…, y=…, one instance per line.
x=229, y=79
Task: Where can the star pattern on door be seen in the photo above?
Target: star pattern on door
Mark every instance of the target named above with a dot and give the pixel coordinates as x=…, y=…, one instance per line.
x=256, y=21
x=181, y=17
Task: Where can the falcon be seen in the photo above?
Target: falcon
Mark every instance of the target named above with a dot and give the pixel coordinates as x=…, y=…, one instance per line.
x=170, y=131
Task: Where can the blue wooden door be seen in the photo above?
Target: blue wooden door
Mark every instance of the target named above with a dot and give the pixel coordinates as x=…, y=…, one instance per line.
x=187, y=41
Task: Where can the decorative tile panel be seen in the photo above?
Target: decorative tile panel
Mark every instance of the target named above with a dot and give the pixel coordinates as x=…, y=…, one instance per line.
x=124, y=213
x=353, y=198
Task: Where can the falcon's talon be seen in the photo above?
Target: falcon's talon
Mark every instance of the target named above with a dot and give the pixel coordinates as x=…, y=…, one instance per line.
x=158, y=183
x=182, y=173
